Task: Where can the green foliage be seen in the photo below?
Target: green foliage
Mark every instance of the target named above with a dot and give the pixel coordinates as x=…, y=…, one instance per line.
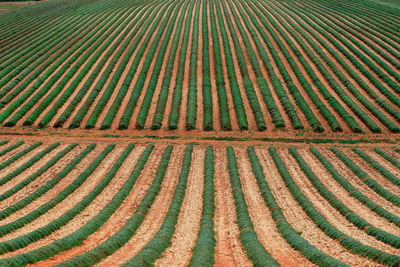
x=254, y=249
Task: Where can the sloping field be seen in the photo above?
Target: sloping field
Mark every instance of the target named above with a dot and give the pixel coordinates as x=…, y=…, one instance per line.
x=108, y=204
x=202, y=64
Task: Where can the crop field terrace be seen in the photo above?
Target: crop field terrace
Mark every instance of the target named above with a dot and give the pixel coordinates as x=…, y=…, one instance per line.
x=200, y=133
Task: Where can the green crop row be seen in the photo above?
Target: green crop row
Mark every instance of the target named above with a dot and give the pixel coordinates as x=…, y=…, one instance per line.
x=380, y=86
x=169, y=66
x=27, y=165
x=132, y=70
x=246, y=81
x=153, y=80
x=285, y=229
x=77, y=237
x=162, y=239
x=355, y=30
x=116, y=241
x=345, y=39
x=356, y=47
x=262, y=83
x=366, y=179
x=208, y=124
x=203, y=251
x=46, y=187
x=42, y=77
x=99, y=86
x=19, y=155
x=254, y=249
x=127, y=27
x=35, y=71
x=350, y=215
x=348, y=242
x=137, y=89
x=353, y=192
x=224, y=117
x=335, y=85
x=40, y=233
x=87, y=46
x=37, y=64
x=91, y=52
x=174, y=112
x=11, y=148
x=391, y=177
x=36, y=174
x=386, y=156
x=191, y=105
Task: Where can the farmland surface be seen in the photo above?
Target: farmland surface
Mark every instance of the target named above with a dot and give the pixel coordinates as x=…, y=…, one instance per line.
x=205, y=65
x=200, y=133
x=104, y=203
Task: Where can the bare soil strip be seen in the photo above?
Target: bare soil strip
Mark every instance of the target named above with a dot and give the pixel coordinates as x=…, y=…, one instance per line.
x=187, y=228
x=228, y=250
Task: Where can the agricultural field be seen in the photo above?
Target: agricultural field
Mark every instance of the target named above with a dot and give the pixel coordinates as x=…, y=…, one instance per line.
x=91, y=202
x=200, y=133
x=232, y=65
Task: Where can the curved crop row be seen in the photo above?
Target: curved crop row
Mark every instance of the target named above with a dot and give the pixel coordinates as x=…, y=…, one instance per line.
x=387, y=157
x=285, y=229
x=19, y=155
x=353, y=192
x=25, y=240
x=255, y=250
x=350, y=215
x=46, y=187
x=116, y=241
x=330, y=230
x=36, y=174
x=203, y=251
x=162, y=239
x=27, y=164
x=11, y=148
x=385, y=173
x=366, y=179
